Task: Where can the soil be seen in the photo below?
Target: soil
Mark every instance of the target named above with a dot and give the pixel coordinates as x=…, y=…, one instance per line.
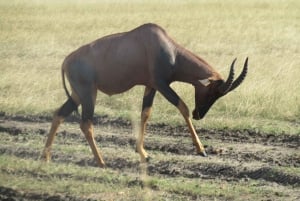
x=234, y=155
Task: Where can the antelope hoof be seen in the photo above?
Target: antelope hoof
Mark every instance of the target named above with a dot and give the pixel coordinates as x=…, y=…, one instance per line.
x=203, y=153
x=103, y=166
x=100, y=163
x=46, y=157
x=146, y=159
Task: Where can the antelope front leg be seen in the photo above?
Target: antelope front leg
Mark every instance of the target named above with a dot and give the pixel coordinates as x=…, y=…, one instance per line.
x=172, y=97
x=185, y=113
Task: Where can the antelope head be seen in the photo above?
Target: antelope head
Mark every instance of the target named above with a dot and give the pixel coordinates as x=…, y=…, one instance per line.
x=208, y=91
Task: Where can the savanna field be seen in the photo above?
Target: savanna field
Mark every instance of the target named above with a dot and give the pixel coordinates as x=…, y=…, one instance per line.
x=252, y=135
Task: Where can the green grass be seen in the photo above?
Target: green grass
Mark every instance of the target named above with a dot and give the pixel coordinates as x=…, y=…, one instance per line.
x=36, y=36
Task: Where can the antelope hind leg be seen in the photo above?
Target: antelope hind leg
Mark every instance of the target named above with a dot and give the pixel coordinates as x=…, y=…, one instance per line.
x=65, y=110
x=146, y=111
x=57, y=120
x=88, y=130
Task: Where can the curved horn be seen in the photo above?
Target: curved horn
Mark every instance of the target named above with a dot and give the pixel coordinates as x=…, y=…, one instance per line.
x=242, y=76
x=225, y=87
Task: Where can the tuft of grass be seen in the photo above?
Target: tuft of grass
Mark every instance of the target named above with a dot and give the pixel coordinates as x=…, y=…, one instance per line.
x=36, y=36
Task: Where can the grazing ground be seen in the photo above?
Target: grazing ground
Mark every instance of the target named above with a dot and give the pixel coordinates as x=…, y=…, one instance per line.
x=242, y=164
x=252, y=135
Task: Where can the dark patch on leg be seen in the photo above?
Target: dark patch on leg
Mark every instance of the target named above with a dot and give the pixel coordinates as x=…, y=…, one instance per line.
x=87, y=109
x=87, y=115
x=68, y=107
x=148, y=99
x=168, y=93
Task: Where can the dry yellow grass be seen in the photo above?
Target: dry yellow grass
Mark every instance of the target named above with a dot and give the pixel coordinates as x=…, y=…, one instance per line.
x=36, y=35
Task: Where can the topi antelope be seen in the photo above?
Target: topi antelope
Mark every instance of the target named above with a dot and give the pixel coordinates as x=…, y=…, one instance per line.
x=144, y=56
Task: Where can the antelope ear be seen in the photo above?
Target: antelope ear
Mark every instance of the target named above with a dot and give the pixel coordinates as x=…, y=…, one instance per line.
x=205, y=82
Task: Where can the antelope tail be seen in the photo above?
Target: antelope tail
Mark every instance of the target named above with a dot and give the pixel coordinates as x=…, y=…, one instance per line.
x=64, y=83
x=66, y=90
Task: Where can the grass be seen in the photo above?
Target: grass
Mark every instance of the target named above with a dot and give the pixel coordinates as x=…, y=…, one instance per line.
x=88, y=182
x=25, y=174
x=37, y=35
